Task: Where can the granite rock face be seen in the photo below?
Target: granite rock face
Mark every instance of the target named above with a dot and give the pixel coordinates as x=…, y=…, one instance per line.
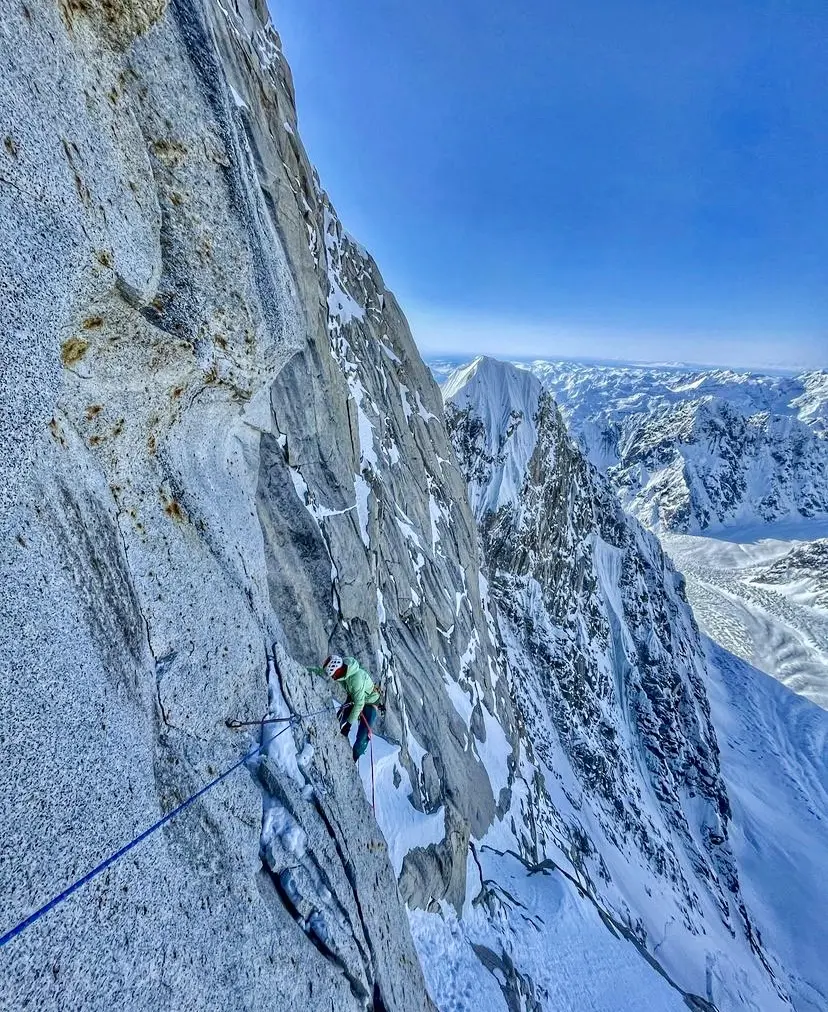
x=217, y=436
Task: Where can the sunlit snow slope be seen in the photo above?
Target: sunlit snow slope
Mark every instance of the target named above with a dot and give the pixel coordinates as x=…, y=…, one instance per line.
x=765, y=600
x=775, y=761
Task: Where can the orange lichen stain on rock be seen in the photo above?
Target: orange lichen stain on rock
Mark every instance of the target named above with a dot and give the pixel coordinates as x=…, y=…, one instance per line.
x=72, y=350
x=92, y=322
x=93, y=411
x=176, y=511
x=169, y=151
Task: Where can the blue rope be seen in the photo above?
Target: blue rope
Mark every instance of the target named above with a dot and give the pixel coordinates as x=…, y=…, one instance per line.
x=18, y=928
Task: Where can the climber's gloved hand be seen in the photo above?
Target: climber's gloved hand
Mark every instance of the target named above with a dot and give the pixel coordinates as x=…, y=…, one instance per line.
x=345, y=728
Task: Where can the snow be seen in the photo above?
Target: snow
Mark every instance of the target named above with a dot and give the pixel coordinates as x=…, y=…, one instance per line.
x=644, y=848
x=362, y=491
x=692, y=449
x=238, y=101
x=494, y=753
x=454, y=975
x=506, y=400
x=460, y=701
x=777, y=623
x=701, y=450
x=402, y=825
x=415, y=750
x=435, y=512
x=552, y=934
x=395, y=358
x=405, y=403
x=422, y=410
x=342, y=306
x=266, y=43
x=775, y=759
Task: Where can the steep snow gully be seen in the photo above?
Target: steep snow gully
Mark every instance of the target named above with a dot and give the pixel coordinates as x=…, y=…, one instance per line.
x=222, y=455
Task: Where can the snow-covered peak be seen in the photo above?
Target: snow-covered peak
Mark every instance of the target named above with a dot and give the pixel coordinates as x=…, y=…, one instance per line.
x=697, y=450
x=620, y=776
x=504, y=400
x=493, y=380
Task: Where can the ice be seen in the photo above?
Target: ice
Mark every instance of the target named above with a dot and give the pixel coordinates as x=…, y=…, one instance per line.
x=277, y=823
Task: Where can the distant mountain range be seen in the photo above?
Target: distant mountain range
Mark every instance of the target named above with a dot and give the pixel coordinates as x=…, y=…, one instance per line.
x=698, y=451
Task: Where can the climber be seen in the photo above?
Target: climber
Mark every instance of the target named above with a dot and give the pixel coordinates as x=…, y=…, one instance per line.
x=363, y=702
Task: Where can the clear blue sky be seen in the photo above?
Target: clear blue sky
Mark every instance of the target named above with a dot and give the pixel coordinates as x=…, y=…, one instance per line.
x=633, y=179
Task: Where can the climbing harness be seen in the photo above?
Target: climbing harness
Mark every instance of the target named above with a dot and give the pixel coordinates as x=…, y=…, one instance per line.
x=67, y=892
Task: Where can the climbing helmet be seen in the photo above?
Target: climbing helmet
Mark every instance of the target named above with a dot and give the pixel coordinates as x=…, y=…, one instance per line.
x=334, y=666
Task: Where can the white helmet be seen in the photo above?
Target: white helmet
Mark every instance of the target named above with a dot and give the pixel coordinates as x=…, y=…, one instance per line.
x=334, y=666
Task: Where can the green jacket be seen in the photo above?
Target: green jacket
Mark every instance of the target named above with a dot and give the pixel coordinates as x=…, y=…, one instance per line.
x=360, y=687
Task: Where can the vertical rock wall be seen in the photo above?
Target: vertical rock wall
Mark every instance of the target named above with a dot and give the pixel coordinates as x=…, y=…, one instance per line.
x=203, y=407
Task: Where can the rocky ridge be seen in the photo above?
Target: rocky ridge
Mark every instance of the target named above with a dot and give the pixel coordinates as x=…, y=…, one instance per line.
x=609, y=672
x=221, y=438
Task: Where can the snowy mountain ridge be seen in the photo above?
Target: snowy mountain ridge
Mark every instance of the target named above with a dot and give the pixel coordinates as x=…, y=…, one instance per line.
x=561, y=556
x=577, y=587
x=506, y=404
x=698, y=451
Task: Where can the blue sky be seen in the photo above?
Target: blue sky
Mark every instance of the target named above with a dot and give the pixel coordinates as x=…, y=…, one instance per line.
x=642, y=180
